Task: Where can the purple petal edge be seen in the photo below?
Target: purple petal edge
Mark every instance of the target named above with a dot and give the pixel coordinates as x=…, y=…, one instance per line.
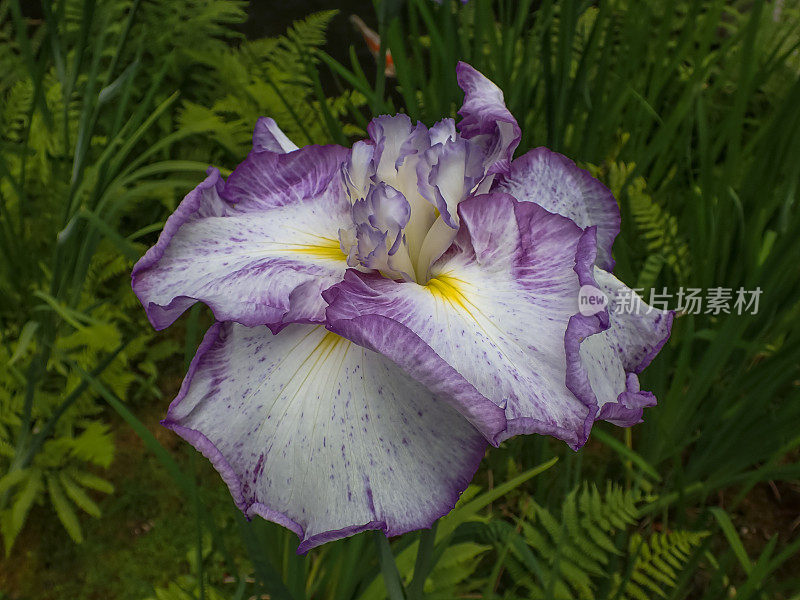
x=579, y=328
x=596, y=199
x=485, y=416
x=603, y=193
x=628, y=409
x=223, y=467
x=187, y=209
x=483, y=109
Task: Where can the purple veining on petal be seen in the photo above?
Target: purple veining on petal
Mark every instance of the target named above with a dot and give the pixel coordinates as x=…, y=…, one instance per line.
x=405, y=437
x=556, y=183
x=386, y=336
x=501, y=330
x=268, y=137
x=486, y=120
x=202, y=201
x=247, y=250
x=267, y=180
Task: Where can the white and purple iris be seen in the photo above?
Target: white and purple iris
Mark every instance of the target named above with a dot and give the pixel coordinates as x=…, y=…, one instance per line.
x=384, y=312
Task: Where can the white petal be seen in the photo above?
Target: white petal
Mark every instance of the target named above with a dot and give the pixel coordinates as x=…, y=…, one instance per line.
x=321, y=435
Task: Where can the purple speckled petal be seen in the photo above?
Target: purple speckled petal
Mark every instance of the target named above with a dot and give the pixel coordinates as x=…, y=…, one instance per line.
x=261, y=261
x=613, y=358
x=322, y=436
x=268, y=137
x=486, y=120
x=556, y=183
x=499, y=308
x=266, y=180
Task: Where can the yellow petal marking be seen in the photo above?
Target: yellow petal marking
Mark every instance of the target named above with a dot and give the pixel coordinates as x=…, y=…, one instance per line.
x=326, y=249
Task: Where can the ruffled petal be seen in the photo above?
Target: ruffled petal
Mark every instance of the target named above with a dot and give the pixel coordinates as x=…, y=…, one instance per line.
x=395, y=138
x=556, y=183
x=486, y=120
x=613, y=358
x=259, y=256
x=269, y=137
x=448, y=174
x=321, y=435
x=268, y=180
x=498, y=309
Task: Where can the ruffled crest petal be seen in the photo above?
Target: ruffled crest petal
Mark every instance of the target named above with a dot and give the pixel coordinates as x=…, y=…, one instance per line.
x=485, y=119
x=497, y=309
x=554, y=182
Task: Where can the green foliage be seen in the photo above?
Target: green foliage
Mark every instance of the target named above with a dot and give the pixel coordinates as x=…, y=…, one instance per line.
x=265, y=77
x=658, y=231
x=581, y=553
x=658, y=562
x=187, y=587
x=88, y=126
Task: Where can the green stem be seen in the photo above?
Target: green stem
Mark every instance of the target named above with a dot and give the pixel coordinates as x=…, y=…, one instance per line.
x=424, y=563
x=391, y=577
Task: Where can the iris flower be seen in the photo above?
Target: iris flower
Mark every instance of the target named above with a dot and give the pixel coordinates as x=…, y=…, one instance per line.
x=385, y=312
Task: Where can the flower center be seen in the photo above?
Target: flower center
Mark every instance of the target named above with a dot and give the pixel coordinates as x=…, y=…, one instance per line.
x=404, y=186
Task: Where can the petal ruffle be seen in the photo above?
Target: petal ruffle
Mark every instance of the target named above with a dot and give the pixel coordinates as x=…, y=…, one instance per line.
x=556, y=183
x=269, y=137
x=486, y=120
x=266, y=180
x=321, y=435
x=498, y=309
x=257, y=250
x=613, y=358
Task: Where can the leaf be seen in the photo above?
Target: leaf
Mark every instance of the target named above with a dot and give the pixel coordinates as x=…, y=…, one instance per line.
x=733, y=538
x=24, y=342
x=64, y=510
x=19, y=509
x=92, y=481
x=457, y=564
x=78, y=496
x=11, y=479
x=95, y=445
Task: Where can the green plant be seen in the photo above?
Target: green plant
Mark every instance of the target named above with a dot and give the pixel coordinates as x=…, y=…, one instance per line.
x=582, y=553
x=86, y=133
x=271, y=76
x=706, y=176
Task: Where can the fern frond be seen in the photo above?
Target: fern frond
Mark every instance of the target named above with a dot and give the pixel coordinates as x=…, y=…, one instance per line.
x=657, y=228
x=657, y=563
x=569, y=556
